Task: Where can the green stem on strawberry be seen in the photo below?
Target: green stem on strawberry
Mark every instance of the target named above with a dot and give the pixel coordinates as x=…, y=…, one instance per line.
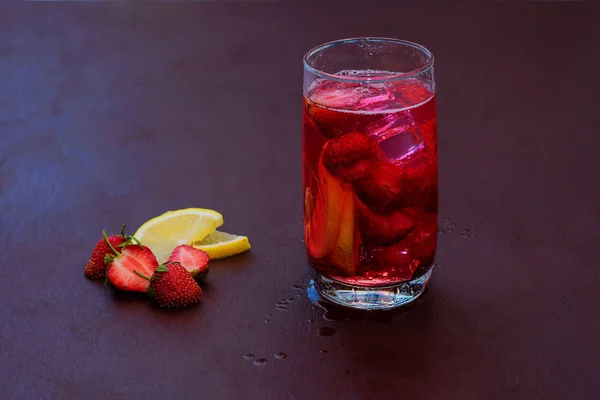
x=108, y=243
x=137, y=241
x=142, y=275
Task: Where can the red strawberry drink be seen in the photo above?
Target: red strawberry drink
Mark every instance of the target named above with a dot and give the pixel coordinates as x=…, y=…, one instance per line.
x=370, y=171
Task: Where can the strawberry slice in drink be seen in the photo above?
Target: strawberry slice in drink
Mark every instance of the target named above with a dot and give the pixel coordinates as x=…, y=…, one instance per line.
x=383, y=230
x=351, y=156
x=382, y=190
x=390, y=187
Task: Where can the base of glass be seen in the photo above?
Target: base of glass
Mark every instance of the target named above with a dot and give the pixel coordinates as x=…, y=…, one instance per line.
x=371, y=298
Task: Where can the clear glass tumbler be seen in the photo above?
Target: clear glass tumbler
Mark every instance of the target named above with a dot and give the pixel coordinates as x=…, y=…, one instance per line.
x=370, y=170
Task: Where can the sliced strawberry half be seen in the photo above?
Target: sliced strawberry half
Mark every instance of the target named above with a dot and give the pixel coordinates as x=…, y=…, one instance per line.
x=194, y=260
x=131, y=269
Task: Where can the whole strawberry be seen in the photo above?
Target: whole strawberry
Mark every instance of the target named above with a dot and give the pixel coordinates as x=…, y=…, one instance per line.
x=172, y=285
x=351, y=157
x=96, y=266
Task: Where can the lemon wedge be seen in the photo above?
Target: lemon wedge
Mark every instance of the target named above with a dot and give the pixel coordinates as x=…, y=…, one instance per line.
x=173, y=228
x=221, y=244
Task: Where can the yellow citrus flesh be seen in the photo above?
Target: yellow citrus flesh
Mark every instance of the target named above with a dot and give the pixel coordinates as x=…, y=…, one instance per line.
x=173, y=228
x=344, y=256
x=221, y=244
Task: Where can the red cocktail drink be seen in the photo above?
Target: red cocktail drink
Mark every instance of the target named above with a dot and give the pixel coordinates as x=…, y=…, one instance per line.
x=370, y=176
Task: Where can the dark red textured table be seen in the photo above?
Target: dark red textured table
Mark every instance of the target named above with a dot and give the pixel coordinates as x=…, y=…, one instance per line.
x=115, y=112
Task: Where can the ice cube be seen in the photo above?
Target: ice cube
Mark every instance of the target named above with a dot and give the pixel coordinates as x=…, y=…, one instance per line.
x=390, y=125
x=377, y=102
x=401, y=145
x=396, y=134
x=336, y=95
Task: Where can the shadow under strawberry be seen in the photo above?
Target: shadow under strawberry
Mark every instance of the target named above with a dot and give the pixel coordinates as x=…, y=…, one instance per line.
x=235, y=262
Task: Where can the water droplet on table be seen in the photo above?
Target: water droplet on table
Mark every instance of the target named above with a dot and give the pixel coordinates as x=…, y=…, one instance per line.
x=299, y=295
x=298, y=287
x=280, y=356
x=323, y=351
x=326, y=331
x=260, y=362
x=248, y=356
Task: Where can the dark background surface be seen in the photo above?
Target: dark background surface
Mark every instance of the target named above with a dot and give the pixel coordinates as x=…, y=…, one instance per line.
x=115, y=112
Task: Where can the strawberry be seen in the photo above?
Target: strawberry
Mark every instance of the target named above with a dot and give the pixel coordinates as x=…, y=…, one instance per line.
x=351, y=156
x=96, y=266
x=383, y=230
x=130, y=269
x=194, y=260
x=172, y=285
x=416, y=248
x=390, y=187
x=382, y=191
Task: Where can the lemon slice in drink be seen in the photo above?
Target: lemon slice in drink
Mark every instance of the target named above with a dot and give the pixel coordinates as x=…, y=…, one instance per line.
x=221, y=244
x=167, y=231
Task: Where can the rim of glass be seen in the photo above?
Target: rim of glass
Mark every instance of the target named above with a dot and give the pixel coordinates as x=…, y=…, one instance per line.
x=387, y=78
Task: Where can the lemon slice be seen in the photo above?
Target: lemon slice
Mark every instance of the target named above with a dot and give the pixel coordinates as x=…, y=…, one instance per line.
x=220, y=244
x=167, y=231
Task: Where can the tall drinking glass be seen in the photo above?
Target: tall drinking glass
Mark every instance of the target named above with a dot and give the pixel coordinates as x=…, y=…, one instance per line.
x=370, y=170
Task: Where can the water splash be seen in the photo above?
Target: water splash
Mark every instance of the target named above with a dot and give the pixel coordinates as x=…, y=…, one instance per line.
x=260, y=362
